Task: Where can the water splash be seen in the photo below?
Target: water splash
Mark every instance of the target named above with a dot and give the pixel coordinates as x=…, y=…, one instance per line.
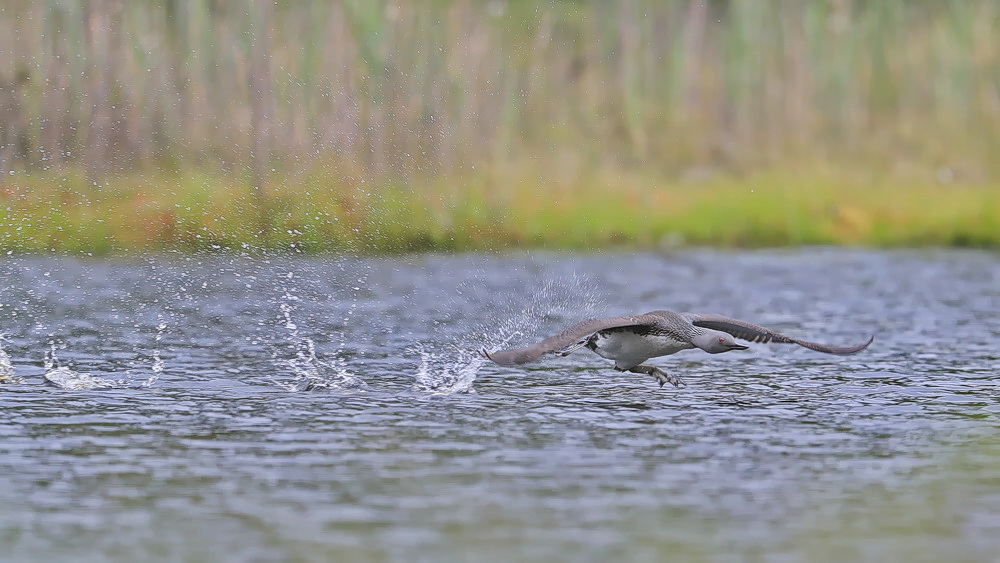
x=66, y=378
x=309, y=373
x=158, y=363
x=518, y=317
x=446, y=374
x=508, y=318
x=6, y=368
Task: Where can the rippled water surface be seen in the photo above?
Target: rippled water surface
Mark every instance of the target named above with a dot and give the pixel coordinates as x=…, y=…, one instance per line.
x=234, y=409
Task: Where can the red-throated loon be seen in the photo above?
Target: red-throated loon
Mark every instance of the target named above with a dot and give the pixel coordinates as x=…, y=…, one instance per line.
x=631, y=340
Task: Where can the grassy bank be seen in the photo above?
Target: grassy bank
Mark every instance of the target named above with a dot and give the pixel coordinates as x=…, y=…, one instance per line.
x=519, y=206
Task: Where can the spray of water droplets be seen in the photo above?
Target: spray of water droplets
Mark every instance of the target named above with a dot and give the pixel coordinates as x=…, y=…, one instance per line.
x=516, y=321
x=308, y=371
x=6, y=368
x=452, y=366
x=158, y=363
x=66, y=378
x=446, y=373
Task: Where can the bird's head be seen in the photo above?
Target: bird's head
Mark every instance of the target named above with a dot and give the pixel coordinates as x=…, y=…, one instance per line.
x=716, y=342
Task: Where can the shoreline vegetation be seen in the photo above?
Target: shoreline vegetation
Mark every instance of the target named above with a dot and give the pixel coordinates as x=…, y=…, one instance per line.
x=312, y=212
x=382, y=127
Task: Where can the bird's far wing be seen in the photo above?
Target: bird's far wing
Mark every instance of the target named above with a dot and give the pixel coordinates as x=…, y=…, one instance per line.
x=565, y=338
x=753, y=333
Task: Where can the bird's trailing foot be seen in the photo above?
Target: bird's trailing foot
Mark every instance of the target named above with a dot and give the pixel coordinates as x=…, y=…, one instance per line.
x=661, y=376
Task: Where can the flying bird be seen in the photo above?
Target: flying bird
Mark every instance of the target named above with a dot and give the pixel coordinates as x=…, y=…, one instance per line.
x=631, y=340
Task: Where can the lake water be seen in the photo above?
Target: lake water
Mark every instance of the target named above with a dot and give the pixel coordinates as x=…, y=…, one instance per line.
x=212, y=408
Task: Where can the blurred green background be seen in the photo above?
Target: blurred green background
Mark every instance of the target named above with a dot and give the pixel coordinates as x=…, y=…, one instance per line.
x=485, y=124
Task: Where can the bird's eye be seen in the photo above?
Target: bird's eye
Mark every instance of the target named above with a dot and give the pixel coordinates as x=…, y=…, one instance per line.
x=722, y=340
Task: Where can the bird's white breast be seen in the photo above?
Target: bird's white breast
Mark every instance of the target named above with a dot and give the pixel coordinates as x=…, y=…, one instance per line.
x=629, y=349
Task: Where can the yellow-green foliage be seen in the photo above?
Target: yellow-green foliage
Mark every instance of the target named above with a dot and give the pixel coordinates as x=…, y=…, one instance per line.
x=516, y=206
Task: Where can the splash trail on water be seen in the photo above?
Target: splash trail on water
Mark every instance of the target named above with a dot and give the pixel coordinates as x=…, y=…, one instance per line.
x=66, y=378
x=309, y=372
x=447, y=373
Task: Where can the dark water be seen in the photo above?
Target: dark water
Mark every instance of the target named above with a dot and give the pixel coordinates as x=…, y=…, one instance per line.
x=334, y=409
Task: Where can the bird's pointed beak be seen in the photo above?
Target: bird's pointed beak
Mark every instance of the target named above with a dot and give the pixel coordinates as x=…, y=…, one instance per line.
x=738, y=347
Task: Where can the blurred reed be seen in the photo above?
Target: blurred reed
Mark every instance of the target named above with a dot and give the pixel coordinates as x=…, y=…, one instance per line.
x=479, y=124
x=376, y=88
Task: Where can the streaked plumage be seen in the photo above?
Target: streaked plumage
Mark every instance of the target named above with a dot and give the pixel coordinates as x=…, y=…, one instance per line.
x=633, y=339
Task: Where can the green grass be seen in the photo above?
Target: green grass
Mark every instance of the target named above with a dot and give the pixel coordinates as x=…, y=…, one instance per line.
x=517, y=206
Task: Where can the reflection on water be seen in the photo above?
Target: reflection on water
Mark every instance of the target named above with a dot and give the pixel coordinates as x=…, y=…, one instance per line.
x=213, y=432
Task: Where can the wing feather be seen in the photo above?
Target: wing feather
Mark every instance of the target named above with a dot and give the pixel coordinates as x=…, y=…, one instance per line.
x=754, y=333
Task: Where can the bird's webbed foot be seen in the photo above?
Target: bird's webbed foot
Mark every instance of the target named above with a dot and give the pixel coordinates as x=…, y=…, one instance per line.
x=661, y=376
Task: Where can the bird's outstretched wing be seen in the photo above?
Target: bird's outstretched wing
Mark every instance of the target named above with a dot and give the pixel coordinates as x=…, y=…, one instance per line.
x=565, y=338
x=753, y=333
